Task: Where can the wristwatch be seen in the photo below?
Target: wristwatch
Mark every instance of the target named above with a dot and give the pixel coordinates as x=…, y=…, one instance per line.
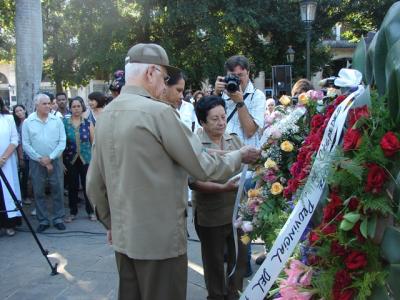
x=239, y=104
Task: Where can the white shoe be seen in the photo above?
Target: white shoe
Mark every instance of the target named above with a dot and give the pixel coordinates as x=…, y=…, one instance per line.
x=33, y=212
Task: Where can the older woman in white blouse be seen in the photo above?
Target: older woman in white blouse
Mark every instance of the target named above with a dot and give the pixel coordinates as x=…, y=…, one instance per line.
x=9, y=216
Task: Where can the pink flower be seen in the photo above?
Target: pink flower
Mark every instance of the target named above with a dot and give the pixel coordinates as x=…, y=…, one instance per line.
x=292, y=293
x=269, y=176
x=315, y=95
x=298, y=273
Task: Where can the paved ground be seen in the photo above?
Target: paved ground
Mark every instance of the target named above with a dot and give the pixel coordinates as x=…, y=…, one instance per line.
x=85, y=263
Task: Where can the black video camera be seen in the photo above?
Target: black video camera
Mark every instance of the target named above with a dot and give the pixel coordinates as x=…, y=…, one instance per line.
x=232, y=83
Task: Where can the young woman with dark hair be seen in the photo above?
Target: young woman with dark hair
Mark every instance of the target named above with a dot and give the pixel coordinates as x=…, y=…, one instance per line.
x=97, y=102
x=20, y=114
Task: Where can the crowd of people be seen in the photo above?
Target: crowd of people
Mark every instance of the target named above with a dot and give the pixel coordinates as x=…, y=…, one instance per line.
x=156, y=145
x=49, y=151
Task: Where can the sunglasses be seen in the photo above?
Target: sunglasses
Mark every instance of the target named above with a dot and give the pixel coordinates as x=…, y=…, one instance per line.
x=166, y=77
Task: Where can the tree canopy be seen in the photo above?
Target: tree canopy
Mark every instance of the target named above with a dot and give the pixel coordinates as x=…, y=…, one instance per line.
x=87, y=39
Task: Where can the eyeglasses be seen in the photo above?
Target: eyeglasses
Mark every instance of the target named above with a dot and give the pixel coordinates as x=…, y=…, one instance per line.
x=166, y=77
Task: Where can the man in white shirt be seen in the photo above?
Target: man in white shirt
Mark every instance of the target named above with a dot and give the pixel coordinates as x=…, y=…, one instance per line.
x=246, y=106
x=43, y=139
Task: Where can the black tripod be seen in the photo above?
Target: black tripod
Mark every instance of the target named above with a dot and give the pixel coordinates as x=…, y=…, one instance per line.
x=19, y=207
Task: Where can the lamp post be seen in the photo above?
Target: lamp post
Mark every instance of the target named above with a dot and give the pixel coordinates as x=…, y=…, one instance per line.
x=290, y=55
x=307, y=13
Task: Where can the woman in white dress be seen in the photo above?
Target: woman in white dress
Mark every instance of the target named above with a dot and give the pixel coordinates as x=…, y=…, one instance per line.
x=10, y=217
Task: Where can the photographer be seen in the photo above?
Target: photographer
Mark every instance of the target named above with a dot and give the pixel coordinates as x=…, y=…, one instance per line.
x=245, y=105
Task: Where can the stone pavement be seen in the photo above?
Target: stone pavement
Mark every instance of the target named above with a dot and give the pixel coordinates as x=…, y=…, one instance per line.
x=86, y=264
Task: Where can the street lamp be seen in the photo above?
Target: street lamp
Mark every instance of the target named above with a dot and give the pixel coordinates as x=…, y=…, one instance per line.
x=290, y=55
x=307, y=13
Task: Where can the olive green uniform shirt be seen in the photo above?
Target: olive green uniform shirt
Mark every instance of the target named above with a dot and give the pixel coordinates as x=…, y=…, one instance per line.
x=137, y=179
x=215, y=209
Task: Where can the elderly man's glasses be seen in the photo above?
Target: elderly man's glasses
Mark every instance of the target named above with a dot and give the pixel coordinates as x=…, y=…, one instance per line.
x=166, y=77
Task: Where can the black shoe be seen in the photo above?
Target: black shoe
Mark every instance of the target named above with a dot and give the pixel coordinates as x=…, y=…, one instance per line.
x=60, y=226
x=260, y=259
x=42, y=228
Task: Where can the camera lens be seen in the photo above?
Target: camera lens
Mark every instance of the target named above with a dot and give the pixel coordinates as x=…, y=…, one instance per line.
x=232, y=83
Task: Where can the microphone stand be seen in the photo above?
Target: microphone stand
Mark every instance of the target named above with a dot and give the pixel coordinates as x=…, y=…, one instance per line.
x=19, y=207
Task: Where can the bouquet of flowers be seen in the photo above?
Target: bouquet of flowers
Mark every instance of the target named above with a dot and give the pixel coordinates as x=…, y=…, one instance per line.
x=266, y=208
x=345, y=246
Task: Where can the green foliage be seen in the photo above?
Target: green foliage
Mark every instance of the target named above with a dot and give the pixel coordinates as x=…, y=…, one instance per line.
x=271, y=221
x=324, y=282
x=89, y=39
x=360, y=57
x=369, y=281
x=393, y=81
x=378, y=204
x=7, y=33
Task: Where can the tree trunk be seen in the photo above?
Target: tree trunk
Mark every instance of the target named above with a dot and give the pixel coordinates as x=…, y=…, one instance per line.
x=29, y=44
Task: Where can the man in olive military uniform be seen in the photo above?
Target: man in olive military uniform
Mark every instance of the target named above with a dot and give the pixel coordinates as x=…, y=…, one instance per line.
x=137, y=179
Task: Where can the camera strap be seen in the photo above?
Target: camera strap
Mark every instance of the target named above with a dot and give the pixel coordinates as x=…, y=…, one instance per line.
x=234, y=111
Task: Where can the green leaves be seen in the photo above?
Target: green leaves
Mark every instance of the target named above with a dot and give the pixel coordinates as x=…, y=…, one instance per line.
x=349, y=220
x=393, y=81
x=360, y=57
x=390, y=245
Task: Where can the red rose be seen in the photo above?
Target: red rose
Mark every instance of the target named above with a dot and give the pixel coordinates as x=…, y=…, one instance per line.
x=332, y=208
x=291, y=187
x=356, y=230
x=295, y=169
x=342, y=280
x=329, y=229
x=390, y=144
x=317, y=121
x=375, y=179
x=337, y=249
x=339, y=100
x=347, y=294
x=329, y=111
x=356, y=113
x=355, y=260
x=313, y=237
x=352, y=140
x=353, y=203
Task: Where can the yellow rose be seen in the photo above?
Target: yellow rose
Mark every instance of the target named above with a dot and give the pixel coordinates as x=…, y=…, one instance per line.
x=287, y=146
x=252, y=193
x=303, y=99
x=269, y=164
x=285, y=100
x=245, y=239
x=276, y=188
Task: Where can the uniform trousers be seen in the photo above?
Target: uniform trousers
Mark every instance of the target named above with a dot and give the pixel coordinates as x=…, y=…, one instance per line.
x=214, y=241
x=164, y=279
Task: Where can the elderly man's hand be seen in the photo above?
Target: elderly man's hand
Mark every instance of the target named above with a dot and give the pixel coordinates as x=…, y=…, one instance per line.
x=250, y=154
x=44, y=161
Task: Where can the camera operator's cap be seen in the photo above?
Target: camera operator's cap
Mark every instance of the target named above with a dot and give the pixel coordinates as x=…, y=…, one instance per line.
x=150, y=54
